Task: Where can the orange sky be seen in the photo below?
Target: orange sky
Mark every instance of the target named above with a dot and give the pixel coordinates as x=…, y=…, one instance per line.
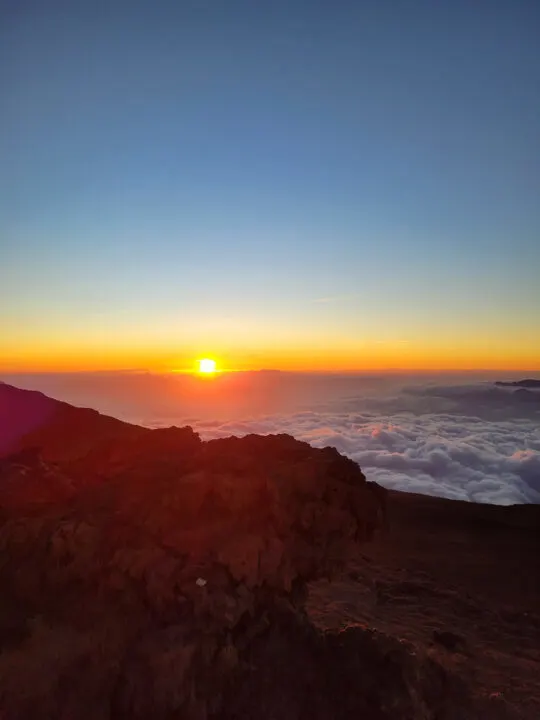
x=330, y=336
x=362, y=357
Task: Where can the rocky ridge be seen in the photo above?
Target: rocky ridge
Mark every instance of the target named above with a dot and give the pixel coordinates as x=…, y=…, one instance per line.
x=147, y=574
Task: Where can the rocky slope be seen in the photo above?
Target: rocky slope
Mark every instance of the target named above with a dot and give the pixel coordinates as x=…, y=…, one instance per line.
x=460, y=582
x=146, y=574
x=61, y=431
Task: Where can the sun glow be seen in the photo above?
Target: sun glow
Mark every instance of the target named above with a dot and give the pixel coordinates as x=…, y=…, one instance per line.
x=207, y=366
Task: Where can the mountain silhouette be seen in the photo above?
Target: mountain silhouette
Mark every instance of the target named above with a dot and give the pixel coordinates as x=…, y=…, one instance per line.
x=528, y=383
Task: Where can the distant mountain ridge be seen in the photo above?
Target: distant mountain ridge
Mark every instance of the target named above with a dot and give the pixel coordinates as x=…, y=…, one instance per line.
x=527, y=383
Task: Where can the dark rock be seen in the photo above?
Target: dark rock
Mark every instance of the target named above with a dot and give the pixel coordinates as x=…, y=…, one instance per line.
x=146, y=574
x=356, y=672
x=449, y=640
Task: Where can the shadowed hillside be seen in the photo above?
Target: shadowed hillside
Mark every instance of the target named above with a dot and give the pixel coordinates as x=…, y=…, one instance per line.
x=147, y=574
x=61, y=431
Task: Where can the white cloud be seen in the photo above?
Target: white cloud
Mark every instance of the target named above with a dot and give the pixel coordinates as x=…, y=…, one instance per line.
x=454, y=457
x=472, y=441
x=445, y=453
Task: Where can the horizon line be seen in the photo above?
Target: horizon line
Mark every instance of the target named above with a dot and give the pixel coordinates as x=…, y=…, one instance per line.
x=352, y=371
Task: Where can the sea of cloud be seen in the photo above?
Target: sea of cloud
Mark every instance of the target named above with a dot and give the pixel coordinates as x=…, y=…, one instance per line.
x=459, y=437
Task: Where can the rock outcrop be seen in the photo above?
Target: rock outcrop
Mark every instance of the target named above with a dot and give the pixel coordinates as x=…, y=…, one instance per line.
x=157, y=576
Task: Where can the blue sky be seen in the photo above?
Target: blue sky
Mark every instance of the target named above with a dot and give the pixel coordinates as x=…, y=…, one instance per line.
x=177, y=173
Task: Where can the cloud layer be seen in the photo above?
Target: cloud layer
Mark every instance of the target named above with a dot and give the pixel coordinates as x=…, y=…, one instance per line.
x=459, y=457
x=454, y=437
x=468, y=442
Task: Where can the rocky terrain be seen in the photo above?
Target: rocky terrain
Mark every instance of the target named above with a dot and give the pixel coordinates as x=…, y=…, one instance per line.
x=147, y=574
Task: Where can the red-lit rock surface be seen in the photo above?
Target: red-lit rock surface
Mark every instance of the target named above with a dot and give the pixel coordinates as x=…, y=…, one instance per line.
x=145, y=574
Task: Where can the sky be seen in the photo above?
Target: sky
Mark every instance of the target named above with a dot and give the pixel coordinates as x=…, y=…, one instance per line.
x=288, y=184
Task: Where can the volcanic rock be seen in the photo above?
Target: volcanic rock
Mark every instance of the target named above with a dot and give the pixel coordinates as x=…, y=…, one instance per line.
x=139, y=567
x=147, y=574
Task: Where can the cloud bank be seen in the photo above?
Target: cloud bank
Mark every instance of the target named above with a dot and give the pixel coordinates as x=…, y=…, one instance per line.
x=467, y=442
x=464, y=458
x=456, y=437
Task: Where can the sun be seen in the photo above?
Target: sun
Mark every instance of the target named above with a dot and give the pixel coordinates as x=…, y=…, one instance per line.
x=207, y=366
